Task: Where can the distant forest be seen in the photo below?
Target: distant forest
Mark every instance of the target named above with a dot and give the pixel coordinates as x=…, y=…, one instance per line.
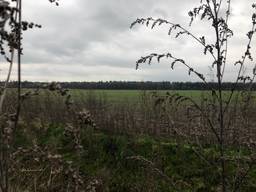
x=133, y=85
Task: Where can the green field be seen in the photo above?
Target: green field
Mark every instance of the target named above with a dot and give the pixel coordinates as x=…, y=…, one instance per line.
x=135, y=95
x=122, y=95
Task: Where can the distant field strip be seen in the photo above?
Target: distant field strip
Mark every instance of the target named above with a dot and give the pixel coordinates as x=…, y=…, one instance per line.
x=135, y=95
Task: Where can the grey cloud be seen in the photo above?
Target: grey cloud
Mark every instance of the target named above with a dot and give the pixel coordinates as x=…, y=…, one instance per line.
x=91, y=40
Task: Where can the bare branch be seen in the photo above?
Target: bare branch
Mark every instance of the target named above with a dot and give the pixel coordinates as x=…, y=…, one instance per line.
x=150, y=22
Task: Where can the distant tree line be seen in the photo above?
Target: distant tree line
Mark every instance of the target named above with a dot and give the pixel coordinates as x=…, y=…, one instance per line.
x=133, y=85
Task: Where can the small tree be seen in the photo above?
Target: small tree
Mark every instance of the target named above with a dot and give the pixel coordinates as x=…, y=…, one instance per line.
x=218, y=15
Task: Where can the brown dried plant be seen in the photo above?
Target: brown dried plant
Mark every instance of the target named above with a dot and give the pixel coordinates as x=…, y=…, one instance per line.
x=217, y=112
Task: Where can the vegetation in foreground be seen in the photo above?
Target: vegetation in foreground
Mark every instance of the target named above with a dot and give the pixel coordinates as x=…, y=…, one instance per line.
x=128, y=163
x=55, y=146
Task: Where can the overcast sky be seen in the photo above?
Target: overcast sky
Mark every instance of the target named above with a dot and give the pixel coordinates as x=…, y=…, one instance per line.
x=90, y=40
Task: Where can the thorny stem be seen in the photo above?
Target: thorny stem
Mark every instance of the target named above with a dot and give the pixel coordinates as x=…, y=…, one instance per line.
x=226, y=37
x=205, y=82
x=182, y=28
x=221, y=113
x=168, y=55
x=198, y=40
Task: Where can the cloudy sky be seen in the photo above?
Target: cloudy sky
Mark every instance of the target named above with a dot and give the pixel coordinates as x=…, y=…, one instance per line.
x=85, y=40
